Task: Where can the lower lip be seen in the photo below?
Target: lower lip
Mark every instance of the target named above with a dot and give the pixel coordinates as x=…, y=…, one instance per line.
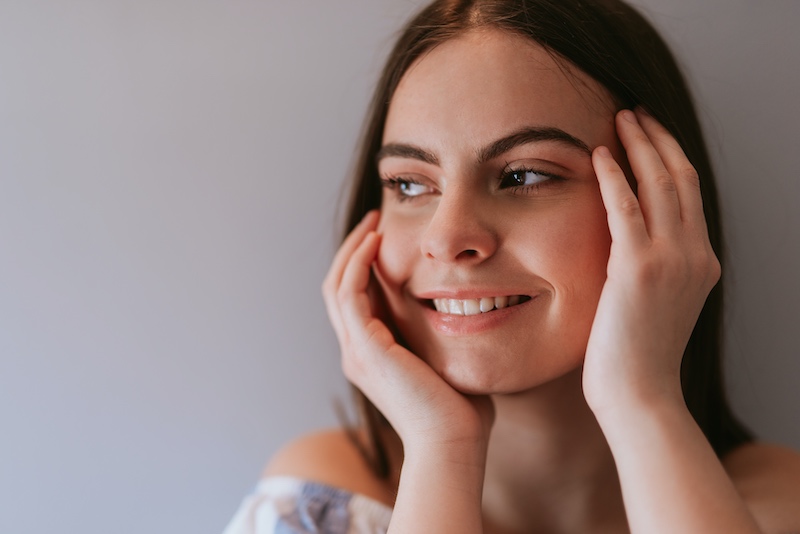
x=460, y=325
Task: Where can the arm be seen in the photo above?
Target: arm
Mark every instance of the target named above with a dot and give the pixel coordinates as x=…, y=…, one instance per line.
x=671, y=478
x=661, y=269
x=444, y=433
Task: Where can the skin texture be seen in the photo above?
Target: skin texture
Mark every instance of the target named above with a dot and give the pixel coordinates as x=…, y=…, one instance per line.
x=555, y=413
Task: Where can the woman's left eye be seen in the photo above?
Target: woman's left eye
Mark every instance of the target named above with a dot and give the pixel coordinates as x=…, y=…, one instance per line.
x=524, y=177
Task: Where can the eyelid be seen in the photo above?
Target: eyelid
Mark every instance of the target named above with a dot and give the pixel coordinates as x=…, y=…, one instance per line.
x=525, y=167
x=545, y=161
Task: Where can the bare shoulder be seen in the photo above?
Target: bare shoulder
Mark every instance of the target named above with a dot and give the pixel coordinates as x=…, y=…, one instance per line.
x=767, y=477
x=330, y=457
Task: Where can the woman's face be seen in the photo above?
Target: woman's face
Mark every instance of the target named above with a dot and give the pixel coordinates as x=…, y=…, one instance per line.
x=490, y=199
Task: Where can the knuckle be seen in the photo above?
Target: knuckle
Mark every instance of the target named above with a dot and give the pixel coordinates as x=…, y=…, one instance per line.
x=649, y=270
x=714, y=268
x=664, y=182
x=661, y=264
x=641, y=137
x=689, y=175
x=629, y=207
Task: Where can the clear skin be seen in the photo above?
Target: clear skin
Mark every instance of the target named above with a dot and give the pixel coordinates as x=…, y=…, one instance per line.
x=579, y=387
x=466, y=233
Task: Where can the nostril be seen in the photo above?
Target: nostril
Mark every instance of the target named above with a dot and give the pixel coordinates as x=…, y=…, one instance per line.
x=469, y=253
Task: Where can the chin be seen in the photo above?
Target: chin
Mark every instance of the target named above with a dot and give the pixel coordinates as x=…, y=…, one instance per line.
x=477, y=372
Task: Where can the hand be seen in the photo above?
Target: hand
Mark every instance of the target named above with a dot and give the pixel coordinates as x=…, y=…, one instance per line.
x=424, y=410
x=660, y=270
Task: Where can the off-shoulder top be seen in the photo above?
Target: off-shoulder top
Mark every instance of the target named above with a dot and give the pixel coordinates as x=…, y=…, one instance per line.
x=285, y=505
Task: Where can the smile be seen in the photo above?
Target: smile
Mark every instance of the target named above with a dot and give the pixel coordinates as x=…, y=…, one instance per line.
x=477, y=306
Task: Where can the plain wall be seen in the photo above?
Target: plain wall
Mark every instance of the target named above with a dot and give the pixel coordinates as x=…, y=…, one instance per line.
x=169, y=176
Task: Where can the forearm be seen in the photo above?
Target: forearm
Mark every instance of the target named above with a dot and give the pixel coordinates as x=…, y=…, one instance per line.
x=440, y=491
x=671, y=478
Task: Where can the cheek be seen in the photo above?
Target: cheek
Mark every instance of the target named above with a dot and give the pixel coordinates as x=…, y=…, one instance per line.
x=590, y=243
x=397, y=252
x=570, y=251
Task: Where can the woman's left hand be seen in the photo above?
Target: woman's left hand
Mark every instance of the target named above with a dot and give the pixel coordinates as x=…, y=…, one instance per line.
x=660, y=270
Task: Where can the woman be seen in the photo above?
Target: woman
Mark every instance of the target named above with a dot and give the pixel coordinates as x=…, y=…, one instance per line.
x=529, y=297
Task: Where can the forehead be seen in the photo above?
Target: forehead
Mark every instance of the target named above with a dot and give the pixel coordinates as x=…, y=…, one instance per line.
x=478, y=86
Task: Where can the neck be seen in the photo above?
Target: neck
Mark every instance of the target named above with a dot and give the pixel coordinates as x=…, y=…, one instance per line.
x=549, y=467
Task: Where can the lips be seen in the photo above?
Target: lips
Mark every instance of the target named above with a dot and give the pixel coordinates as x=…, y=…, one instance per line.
x=476, y=306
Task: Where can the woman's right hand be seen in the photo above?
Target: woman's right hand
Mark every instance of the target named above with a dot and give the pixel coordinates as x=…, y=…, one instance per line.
x=426, y=412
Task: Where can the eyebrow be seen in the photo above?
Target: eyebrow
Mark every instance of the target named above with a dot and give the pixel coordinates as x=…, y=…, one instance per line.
x=531, y=135
x=528, y=134
x=399, y=150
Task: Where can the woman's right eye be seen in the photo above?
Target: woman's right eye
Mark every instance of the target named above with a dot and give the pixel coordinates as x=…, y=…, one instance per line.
x=406, y=188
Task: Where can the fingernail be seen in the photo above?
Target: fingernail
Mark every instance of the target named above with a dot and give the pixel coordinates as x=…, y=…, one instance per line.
x=629, y=116
x=603, y=152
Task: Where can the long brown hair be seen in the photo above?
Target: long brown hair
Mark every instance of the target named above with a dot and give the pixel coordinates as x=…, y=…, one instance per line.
x=615, y=45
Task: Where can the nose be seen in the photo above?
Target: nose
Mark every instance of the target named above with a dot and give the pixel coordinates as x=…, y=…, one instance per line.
x=457, y=231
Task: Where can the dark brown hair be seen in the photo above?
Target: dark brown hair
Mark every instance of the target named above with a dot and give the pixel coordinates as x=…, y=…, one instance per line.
x=615, y=45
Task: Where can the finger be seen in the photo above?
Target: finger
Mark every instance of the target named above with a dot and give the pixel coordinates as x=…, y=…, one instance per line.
x=333, y=278
x=365, y=331
x=352, y=295
x=625, y=220
x=687, y=182
x=335, y=317
x=658, y=197
x=351, y=242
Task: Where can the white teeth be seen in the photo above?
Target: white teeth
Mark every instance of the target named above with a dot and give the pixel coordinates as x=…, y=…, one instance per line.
x=474, y=306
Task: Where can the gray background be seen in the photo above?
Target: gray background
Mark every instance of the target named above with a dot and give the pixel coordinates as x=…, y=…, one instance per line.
x=169, y=175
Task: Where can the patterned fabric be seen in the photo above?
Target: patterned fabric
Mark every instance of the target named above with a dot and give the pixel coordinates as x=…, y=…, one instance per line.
x=284, y=505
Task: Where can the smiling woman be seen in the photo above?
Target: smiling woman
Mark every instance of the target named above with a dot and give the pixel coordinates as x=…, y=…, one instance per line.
x=443, y=242
x=529, y=297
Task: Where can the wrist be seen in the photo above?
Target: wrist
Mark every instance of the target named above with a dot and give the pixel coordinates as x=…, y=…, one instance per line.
x=627, y=396
x=627, y=414
x=441, y=488
x=457, y=470
x=455, y=453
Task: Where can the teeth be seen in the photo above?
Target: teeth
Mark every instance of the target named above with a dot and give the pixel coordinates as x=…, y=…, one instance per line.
x=476, y=306
x=472, y=307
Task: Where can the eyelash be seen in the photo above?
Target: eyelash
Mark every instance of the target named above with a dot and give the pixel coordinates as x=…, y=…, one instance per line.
x=395, y=183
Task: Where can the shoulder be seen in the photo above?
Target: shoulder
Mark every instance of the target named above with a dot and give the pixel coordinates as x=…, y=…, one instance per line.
x=767, y=477
x=332, y=458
